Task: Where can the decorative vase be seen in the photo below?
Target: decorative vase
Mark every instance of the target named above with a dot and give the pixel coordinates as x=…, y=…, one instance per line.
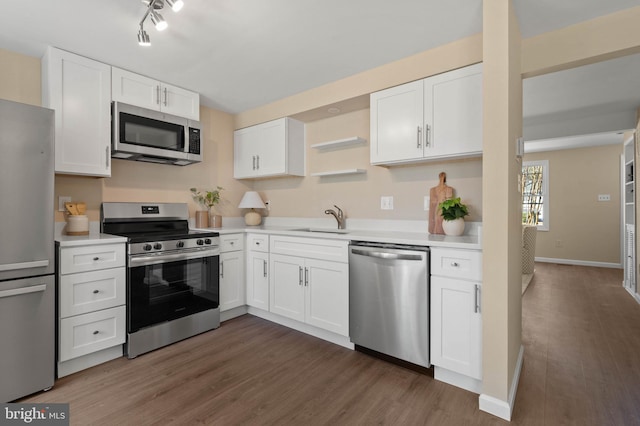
x=202, y=219
x=215, y=221
x=454, y=227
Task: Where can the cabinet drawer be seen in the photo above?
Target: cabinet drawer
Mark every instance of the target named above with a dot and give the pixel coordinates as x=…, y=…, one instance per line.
x=91, y=258
x=464, y=264
x=316, y=248
x=258, y=242
x=84, y=334
x=91, y=291
x=231, y=242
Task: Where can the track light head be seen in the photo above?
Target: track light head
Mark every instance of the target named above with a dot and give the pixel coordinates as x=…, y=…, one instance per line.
x=176, y=5
x=143, y=38
x=158, y=21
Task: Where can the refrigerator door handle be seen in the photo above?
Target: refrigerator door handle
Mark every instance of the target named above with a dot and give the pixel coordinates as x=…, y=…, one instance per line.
x=24, y=290
x=24, y=265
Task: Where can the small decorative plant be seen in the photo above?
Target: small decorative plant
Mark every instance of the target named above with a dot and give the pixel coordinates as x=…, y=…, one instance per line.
x=207, y=199
x=453, y=209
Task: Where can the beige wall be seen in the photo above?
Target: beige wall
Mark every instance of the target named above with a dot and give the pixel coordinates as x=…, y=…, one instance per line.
x=584, y=228
x=20, y=78
x=359, y=195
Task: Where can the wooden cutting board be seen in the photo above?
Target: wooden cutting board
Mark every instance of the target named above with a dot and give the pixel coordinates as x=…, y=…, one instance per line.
x=438, y=194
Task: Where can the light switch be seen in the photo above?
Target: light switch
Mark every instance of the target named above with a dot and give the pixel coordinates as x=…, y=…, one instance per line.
x=61, y=201
x=386, y=203
x=427, y=200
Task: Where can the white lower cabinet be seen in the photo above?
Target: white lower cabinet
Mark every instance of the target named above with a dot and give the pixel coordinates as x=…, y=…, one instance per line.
x=310, y=290
x=232, y=286
x=456, y=318
x=258, y=271
x=91, y=305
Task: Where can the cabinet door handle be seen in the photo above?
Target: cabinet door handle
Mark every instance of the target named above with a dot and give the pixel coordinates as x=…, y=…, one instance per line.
x=95, y=259
x=428, y=135
x=306, y=277
x=108, y=155
x=96, y=332
x=158, y=94
x=96, y=291
x=299, y=275
x=264, y=268
x=419, y=137
x=165, y=96
x=222, y=269
x=476, y=308
x=257, y=162
x=254, y=162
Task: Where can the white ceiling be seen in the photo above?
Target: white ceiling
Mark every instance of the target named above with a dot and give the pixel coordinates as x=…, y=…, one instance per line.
x=241, y=54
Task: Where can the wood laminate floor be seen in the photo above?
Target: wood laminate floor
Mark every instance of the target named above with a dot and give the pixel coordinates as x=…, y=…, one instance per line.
x=581, y=333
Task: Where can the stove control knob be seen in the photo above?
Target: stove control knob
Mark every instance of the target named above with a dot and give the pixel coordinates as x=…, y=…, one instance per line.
x=207, y=241
x=146, y=247
x=200, y=242
x=157, y=246
x=180, y=244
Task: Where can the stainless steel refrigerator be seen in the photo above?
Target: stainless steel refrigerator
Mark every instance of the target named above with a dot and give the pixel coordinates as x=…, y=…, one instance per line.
x=27, y=264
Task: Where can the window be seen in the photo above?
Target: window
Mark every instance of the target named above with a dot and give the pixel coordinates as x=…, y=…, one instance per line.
x=535, y=194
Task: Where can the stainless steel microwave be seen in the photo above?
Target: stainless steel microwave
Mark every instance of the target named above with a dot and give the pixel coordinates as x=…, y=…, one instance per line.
x=141, y=134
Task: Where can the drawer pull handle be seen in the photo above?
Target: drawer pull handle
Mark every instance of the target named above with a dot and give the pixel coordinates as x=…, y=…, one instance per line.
x=96, y=291
x=96, y=332
x=257, y=243
x=455, y=264
x=231, y=242
x=95, y=259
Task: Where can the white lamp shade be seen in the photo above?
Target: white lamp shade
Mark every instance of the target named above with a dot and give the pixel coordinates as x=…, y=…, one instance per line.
x=251, y=200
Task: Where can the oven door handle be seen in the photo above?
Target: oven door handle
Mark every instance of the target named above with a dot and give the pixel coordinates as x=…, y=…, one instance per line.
x=137, y=260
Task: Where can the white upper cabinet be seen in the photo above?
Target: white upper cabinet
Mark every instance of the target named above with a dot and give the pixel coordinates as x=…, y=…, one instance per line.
x=439, y=117
x=145, y=92
x=79, y=90
x=274, y=148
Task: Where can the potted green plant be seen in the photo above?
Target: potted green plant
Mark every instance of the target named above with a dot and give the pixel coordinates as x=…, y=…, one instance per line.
x=207, y=200
x=453, y=212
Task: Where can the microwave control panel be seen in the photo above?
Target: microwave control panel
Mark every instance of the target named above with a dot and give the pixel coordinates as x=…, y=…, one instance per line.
x=194, y=141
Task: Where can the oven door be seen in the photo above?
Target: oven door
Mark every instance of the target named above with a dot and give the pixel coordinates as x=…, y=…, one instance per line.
x=165, y=287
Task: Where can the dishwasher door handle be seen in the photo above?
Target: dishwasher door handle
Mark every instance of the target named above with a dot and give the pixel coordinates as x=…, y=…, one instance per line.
x=388, y=255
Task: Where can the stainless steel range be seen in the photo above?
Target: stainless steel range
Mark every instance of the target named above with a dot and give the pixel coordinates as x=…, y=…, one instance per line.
x=172, y=273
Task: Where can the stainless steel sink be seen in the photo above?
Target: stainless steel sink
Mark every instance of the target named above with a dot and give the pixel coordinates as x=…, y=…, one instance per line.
x=325, y=230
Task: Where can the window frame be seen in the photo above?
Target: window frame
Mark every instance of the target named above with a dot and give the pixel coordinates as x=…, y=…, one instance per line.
x=545, y=190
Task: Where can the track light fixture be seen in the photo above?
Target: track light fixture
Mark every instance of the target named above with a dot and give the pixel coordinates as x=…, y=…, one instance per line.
x=158, y=21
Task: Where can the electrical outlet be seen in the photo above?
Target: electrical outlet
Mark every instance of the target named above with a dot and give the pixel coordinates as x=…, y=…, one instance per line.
x=61, y=201
x=386, y=203
x=604, y=197
x=427, y=200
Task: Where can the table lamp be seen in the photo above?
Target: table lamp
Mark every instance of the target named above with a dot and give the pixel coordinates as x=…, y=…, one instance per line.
x=251, y=200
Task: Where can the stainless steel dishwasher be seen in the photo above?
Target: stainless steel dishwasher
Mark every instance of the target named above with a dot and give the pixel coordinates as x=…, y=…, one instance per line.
x=389, y=300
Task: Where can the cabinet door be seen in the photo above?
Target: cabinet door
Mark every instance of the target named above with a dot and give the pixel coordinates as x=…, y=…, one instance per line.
x=327, y=295
x=271, y=148
x=456, y=326
x=78, y=89
x=135, y=89
x=397, y=123
x=232, y=286
x=258, y=280
x=177, y=101
x=244, y=153
x=287, y=286
x=453, y=113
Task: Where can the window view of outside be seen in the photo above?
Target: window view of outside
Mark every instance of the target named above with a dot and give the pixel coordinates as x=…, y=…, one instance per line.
x=533, y=194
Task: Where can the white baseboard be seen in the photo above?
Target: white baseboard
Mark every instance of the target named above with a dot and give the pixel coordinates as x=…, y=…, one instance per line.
x=579, y=262
x=498, y=407
x=233, y=313
x=636, y=296
x=74, y=365
x=457, y=379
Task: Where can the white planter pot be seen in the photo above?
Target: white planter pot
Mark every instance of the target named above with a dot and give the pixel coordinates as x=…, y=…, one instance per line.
x=453, y=227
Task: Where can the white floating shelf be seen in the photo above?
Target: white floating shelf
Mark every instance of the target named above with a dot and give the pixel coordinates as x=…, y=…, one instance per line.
x=340, y=172
x=354, y=140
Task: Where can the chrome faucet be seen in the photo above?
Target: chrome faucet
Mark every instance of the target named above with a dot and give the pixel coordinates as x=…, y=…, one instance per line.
x=339, y=216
